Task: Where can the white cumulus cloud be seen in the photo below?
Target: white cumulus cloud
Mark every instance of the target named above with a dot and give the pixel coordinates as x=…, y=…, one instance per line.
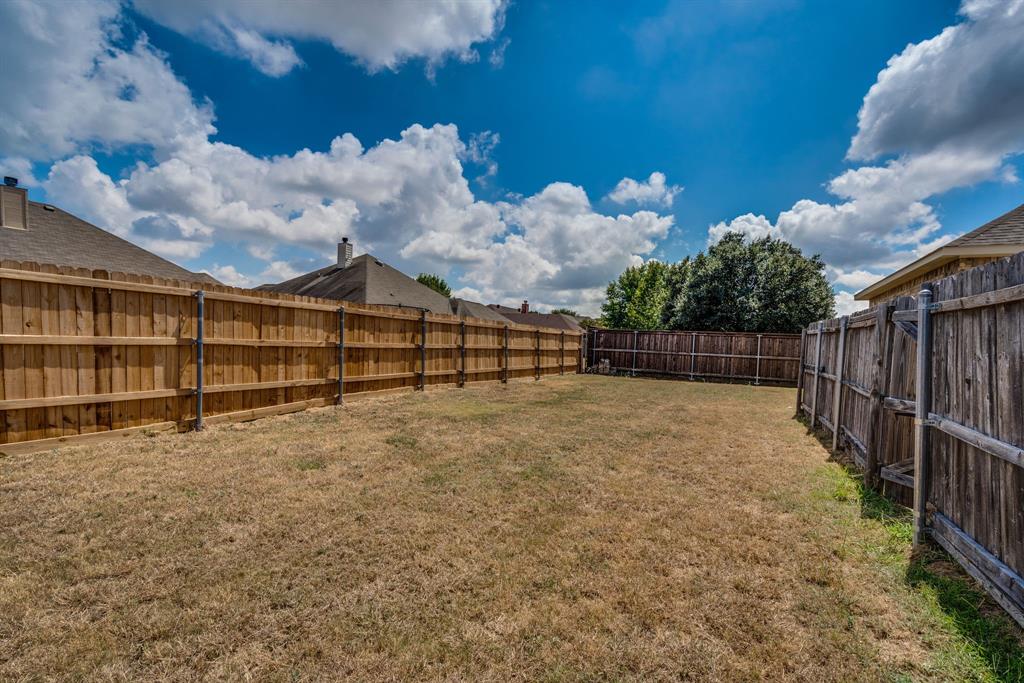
x=406, y=199
x=380, y=35
x=653, y=191
x=69, y=86
x=947, y=111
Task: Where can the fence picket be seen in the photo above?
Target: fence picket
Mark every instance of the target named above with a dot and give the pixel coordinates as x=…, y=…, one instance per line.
x=88, y=352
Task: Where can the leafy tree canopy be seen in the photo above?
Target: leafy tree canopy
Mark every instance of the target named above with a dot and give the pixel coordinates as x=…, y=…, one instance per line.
x=765, y=285
x=566, y=311
x=637, y=298
x=435, y=282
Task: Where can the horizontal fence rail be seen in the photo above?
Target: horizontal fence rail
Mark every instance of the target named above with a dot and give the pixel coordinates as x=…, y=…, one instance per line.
x=926, y=394
x=86, y=354
x=749, y=357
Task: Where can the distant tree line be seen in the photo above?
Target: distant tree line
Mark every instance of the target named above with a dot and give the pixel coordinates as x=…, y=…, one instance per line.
x=763, y=285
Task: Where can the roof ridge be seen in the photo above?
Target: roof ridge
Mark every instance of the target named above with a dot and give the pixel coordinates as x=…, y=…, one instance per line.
x=1014, y=215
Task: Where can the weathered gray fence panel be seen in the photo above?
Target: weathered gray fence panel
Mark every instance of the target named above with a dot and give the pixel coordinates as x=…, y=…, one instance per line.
x=969, y=401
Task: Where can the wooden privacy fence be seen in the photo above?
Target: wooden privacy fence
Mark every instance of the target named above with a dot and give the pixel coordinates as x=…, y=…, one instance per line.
x=747, y=356
x=927, y=394
x=89, y=353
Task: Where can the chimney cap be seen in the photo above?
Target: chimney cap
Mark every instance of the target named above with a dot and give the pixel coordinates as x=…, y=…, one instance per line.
x=10, y=181
x=344, y=239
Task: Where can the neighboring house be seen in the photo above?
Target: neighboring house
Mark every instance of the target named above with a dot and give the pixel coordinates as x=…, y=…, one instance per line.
x=471, y=309
x=368, y=280
x=524, y=316
x=1001, y=237
x=30, y=231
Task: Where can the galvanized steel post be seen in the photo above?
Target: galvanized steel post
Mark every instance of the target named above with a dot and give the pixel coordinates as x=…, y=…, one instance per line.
x=561, y=354
x=462, y=353
x=921, y=415
x=341, y=355
x=593, y=349
x=536, y=374
x=504, y=368
x=757, y=368
x=693, y=352
x=837, y=395
x=200, y=312
x=423, y=350
x=635, y=333
x=817, y=373
x=800, y=373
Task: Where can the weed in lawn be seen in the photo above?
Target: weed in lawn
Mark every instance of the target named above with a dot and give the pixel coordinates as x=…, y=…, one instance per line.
x=401, y=441
x=309, y=464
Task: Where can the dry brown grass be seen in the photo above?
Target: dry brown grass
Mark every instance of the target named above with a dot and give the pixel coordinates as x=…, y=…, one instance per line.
x=576, y=528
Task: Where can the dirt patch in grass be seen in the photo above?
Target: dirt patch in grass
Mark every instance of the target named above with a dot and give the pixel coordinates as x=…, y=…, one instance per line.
x=575, y=528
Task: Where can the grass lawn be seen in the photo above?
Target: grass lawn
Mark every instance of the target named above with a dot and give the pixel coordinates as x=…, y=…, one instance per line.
x=578, y=528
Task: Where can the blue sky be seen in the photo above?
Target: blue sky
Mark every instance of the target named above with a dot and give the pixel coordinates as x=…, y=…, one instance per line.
x=748, y=110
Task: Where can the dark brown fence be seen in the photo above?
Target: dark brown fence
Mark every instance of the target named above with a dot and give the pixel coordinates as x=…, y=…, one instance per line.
x=927, y=394
x=744, y=356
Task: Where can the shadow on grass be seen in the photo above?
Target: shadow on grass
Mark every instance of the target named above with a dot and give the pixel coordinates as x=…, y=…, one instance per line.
x=988, y=636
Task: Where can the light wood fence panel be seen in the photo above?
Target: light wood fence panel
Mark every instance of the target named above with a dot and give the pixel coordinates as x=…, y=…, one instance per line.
x=95, y=353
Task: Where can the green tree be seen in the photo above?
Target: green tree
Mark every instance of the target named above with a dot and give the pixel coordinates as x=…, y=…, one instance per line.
x=566, y=311
x=766, y=285
x=435, y=282
x=636, y=299
x=675, y=280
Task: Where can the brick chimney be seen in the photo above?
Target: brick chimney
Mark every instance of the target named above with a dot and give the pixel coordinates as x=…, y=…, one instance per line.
x=525, y=308
x=344, y=253
x=13, y=205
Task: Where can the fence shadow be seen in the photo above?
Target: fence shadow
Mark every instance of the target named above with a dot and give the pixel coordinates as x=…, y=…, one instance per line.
x=987, y=632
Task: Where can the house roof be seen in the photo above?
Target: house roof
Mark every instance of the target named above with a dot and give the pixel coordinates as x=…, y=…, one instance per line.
x=1007, y=229
x=559, y=321
x=57, y=237
x=367, y=280
x=471, y=309
x=1003, y=236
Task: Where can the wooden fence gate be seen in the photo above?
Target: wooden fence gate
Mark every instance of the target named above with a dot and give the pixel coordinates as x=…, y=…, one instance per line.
x=926, y=394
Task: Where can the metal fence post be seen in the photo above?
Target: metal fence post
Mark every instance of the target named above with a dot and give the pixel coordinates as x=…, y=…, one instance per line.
x=593, y=349
x=800, y=373
x=536, y=374
x=423, y=350
x=635, y=333
x=837, y=395
x=200, y=311
x=504, y=367
x=757, y=368
x=561, y=354
x=693, y=352
x=462, y=353
x=817, y=373
x=924, y=401
x=341, y=355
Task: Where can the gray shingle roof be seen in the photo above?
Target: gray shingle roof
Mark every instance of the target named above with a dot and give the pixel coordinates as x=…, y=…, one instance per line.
x=471, y=309
x=367, y=280
x=1007, y=229
x=559, y=321
x=56, y=237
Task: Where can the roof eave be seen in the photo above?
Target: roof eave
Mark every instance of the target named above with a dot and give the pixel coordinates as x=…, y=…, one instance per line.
x=939, y=257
